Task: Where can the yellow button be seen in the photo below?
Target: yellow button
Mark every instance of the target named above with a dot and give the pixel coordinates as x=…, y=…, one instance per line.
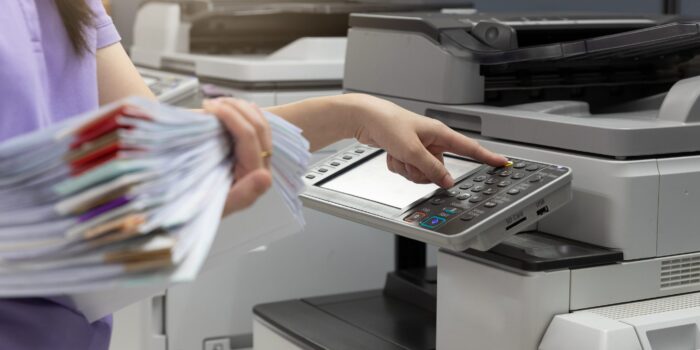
x=509, y=163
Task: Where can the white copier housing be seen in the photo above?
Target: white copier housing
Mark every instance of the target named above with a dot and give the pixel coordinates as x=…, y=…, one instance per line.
x=631, y=139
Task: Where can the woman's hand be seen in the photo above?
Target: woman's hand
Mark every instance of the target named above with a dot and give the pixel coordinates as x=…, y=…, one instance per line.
x=253, y=142
x=415, y=144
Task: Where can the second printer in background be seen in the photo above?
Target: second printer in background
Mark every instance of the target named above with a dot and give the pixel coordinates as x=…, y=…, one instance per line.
x=269, y=53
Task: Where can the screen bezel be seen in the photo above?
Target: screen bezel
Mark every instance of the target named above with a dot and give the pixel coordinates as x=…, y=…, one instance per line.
x=367, y=205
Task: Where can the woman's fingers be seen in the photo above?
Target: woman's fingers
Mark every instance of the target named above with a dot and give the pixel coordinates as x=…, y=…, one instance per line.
x=428, y=164
x=247, y=144
x=457, y=143
x=256, y=118
x=247, y=189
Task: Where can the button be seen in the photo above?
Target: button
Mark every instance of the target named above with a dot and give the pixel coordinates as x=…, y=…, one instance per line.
x=536, y=179
x=475, y=199
x=347, y=157
x=491, y=181
x=489, y=191
x=451, y=210
x=509, y=164
x=490, y=204
x=451, y=193
x=417, y=216
x=519, y=165
x=479, y=178
x=310, y=176
x=478, y=188
x=322, y=170
x=467, y=217
x=492, y=170
x=513, y=191
x=335, y=163
x=359, y=151
x=505, y=173
x=433, y=222
x=532, y=167
x=504, y=184
x=517, y=176
x=437, y=200
x=464, y=196
x=466, y=186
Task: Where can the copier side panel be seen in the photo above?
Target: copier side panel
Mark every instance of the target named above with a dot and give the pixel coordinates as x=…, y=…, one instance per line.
x=679, y=206
x=615, y=203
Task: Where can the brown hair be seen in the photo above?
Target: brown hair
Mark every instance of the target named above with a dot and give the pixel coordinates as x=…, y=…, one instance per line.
x=76, y=15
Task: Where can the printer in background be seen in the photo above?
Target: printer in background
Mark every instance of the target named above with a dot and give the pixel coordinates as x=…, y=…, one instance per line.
x=270, y=53
x=616, y=98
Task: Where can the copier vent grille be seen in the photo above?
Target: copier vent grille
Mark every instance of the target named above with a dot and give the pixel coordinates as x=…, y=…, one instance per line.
x=648, y=307
x=680, y=272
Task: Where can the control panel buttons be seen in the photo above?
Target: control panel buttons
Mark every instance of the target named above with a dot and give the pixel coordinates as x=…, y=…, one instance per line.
x=519, y=165
x=490, y=204
x=513, y=191
x=479, y=178
x=467, y=217
x=322, y=170
x=433, y=222
x=478, y=188
x=464, y=196
x=450, y=210
x=532, y=167
x=475, y=199
x=489, y=191
x=347, y=157
x=491, y=181
x=492, y=170
x=416, y=216
x=437, y=201
x=505, y=173
x=451, y=193
x=504, y=184
x=536, y=178
x=335, y=163
x=310, y=176
x=517, y=176
x=466, y=186
x=359, y=151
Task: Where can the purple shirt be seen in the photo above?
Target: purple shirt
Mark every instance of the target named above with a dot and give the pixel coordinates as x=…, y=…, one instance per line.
x=42, y=80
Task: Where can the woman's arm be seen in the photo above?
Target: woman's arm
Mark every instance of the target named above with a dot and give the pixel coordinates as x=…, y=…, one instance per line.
x=414, y=144
x=117, y=76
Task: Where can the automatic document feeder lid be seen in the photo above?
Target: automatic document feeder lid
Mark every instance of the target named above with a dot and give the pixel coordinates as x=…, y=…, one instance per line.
x=521, y=38
x=619, y=86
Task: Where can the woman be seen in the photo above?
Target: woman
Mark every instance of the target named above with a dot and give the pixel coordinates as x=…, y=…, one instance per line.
x=59, y=58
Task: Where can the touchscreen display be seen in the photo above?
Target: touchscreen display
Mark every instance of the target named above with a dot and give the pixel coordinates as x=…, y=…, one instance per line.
x=372, y=180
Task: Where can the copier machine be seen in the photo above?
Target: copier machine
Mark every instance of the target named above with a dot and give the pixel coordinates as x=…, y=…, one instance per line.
x=268, y=52
x=615, y=98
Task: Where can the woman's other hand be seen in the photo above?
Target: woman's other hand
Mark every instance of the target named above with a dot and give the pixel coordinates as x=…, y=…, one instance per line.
x=253, y=144
x=414, y=143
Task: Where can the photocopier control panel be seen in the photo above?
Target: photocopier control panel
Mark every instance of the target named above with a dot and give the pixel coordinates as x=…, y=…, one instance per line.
x=484, y=207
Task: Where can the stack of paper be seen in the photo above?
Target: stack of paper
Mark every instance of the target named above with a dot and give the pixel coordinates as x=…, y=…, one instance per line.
x=130, y=195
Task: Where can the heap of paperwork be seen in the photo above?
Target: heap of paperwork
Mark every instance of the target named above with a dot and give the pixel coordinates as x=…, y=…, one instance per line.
x=128, y=196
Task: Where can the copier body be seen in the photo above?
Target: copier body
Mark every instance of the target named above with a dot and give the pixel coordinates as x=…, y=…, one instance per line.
x=612, y=97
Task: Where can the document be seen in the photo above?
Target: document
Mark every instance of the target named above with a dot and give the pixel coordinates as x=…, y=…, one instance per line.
x=115, y=205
